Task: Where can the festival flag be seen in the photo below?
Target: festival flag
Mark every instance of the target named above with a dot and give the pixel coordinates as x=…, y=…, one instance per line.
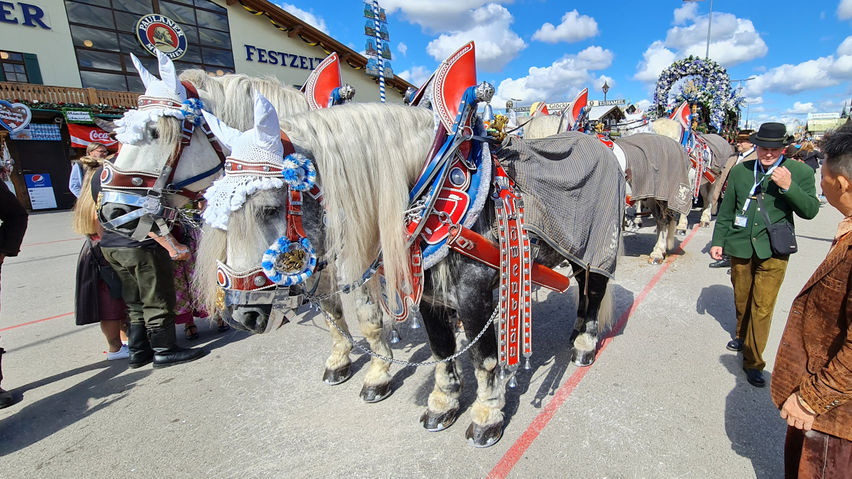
x=577, y=107
x=681, y=115
x=539, y=108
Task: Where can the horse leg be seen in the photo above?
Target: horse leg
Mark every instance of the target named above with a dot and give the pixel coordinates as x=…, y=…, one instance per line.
x=442, y=408
x=682, y=225
x=338, y=365
x=670, y=233
x=659, y=251
x=476, y=303
x=588, y=325
x=377, y=381
x=707, y=208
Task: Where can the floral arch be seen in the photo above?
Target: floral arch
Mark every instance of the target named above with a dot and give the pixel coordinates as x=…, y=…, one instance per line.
x=708, y=85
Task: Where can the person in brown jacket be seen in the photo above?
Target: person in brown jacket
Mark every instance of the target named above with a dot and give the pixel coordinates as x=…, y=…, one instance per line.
x=812, y=379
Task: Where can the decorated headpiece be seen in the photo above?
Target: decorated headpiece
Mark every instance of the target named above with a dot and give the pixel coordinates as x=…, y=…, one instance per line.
x=164, y=96
x=256, y=163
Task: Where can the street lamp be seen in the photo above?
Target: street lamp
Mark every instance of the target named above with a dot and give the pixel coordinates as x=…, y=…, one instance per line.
x=605, y=89
x=709, y=22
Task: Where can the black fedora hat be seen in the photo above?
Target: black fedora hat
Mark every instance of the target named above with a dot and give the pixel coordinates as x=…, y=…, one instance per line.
x=770, y=135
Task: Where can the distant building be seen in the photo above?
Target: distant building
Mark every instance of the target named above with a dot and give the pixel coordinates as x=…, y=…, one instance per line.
x=819, y=123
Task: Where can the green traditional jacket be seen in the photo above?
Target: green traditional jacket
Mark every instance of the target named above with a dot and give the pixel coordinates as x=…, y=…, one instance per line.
x=744, y=242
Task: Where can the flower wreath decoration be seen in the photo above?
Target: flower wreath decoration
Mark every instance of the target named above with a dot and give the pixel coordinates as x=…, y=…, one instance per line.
x=287, y=263
x=299, y=172
x=713, y=82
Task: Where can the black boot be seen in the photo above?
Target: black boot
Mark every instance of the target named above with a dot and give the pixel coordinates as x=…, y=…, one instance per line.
x=6, y=398
x=140, y=349
x=167, y=352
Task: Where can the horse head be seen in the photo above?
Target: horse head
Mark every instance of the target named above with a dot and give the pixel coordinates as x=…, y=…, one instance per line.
x=254, y=215
x=166, y=158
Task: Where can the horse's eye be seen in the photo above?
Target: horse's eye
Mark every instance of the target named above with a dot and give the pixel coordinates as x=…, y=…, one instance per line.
x=155, y=134
x=271, y=211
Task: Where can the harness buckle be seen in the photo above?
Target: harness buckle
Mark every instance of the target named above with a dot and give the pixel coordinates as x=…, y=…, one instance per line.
x=153, y=204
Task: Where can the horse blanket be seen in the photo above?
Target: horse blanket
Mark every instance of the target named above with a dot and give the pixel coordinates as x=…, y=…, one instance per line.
x=658, y=169
x=720, y=148
x=573, y=193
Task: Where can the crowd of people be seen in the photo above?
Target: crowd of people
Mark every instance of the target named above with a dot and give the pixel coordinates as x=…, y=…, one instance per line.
x=139, y=290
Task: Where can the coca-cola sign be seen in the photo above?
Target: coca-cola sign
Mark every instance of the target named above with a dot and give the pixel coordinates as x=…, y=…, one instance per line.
x=82, y=135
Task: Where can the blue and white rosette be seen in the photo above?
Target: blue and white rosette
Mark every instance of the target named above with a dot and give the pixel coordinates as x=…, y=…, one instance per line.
x=191, y=109
x=284, y=246
x=299, y=172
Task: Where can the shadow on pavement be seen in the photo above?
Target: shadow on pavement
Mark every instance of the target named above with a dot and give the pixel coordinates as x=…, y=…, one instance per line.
x=46, y=416
x=752, y=423
x=718, y=301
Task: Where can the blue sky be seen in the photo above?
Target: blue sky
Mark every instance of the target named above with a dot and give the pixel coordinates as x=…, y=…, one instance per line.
x=798, y=53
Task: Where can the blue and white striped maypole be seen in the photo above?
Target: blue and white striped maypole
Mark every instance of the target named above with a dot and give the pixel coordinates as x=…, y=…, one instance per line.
x=380, y=60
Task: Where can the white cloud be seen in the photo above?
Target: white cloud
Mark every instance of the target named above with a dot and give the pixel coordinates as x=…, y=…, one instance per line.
x=315, y=21
x=655, y=59
x=402, y=48
x=415, y=75
x=604, y=79
x=800, y=108
x=757, y=100
x=574, y=27
x=438, y=15
x=845, y=48
x=686, y=12
x=733, y=40
x=844, y=10
x=559, y=81
x=490, y=28
x=809, y=75
x=643, y=105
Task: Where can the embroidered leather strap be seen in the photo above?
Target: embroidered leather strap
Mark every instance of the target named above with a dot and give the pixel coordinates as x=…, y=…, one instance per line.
x=514, y=335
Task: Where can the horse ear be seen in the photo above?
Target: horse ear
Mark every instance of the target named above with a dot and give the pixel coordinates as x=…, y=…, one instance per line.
x=106, y=125
x=223, y=132
x=169, y=75
x=266, y=122
x=146, y=76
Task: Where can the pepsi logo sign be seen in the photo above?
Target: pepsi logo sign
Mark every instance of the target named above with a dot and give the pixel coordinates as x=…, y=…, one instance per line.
x=38, y=179
x=158, y=32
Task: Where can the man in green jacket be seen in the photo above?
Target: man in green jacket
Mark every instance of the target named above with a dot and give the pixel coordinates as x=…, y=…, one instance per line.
x=784, y=187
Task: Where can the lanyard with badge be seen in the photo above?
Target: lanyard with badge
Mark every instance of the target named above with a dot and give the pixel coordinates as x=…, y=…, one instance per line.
x=741, y=219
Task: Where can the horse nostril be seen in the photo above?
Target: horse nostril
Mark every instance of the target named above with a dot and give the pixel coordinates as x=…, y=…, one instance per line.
x=250, y=319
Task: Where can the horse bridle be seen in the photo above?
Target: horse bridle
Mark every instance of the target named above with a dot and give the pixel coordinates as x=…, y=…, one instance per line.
x=142, y=193
x=252, y=287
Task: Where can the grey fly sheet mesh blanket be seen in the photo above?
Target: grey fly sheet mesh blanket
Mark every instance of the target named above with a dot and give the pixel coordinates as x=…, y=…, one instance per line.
x=720, y=148
x=573, y=191
x=658, y=169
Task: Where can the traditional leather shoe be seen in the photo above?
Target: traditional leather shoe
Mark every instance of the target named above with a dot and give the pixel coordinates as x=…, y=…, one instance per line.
x=755, y=377
x=735, y=344
x=725, y=262
x=167, y=353
x=140, y=351
x=6, y=398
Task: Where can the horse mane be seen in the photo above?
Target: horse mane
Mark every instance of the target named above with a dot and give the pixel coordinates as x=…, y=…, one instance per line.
x=668, y=127
x=542, y=126
x=368, y=156
x=204, y=277
x=229, y=96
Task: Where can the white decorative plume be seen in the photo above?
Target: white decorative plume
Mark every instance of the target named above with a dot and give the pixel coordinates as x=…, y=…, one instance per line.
x=261, y=145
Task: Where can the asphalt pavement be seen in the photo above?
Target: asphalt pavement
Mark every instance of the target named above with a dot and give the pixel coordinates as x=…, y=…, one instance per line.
x=664, y=399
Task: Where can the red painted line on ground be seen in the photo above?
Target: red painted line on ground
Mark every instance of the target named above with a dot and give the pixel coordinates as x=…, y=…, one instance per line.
x=36, y=321
x=51, y=242
x=514, y=454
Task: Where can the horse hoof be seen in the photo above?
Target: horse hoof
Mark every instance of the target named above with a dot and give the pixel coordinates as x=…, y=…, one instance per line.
x=653, y=260
x=374, y=394
x=484, y=436
x=582, y=357
x=681, y=232
x=434, y=422
x=705, y=224
x=333, y=377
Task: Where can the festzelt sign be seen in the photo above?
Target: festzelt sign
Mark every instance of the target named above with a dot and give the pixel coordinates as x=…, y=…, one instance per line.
x=274, y=57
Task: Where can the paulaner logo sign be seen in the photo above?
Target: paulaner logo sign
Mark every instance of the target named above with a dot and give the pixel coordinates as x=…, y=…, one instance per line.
x=158, y=32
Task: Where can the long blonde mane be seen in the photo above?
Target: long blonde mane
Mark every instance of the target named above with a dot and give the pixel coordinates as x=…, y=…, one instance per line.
x=668, y=127
x=368, y=156
x=229, y=96
x=542, y=126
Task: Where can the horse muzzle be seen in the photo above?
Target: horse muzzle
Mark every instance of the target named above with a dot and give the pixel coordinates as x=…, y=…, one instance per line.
x=261, y=311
